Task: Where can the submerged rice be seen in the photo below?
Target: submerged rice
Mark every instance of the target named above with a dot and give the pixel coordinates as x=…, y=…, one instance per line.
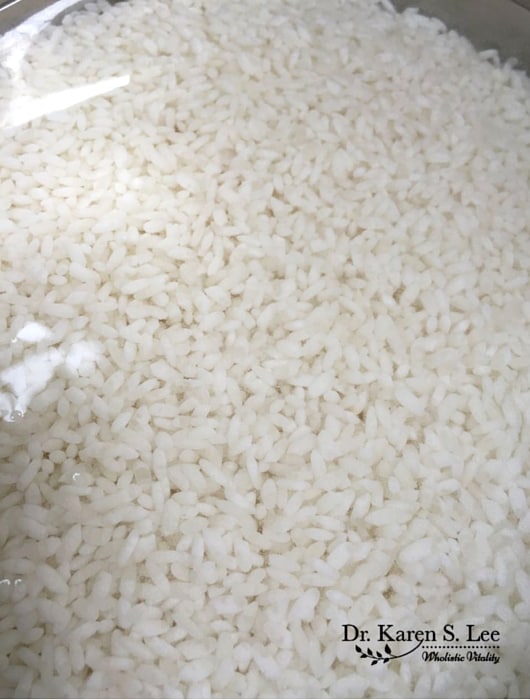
x=264, y=345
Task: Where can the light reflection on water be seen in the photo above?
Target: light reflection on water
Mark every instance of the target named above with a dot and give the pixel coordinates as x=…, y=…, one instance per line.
x=32, y=375
x=23, y=107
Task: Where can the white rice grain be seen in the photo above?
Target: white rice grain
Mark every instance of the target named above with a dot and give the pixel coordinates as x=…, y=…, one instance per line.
x=263, y=350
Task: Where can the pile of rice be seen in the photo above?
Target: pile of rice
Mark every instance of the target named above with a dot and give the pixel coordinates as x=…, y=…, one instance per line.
x=264, y=351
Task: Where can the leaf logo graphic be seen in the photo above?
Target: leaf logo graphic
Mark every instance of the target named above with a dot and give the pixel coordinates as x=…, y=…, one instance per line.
x=378, y=656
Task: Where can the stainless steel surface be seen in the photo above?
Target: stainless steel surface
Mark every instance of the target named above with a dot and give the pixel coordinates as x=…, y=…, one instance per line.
x=489, y=24
x=523, y=3
x=14, y=12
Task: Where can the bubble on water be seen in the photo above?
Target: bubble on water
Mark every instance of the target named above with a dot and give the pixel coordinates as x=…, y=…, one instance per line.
x=10, y=586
